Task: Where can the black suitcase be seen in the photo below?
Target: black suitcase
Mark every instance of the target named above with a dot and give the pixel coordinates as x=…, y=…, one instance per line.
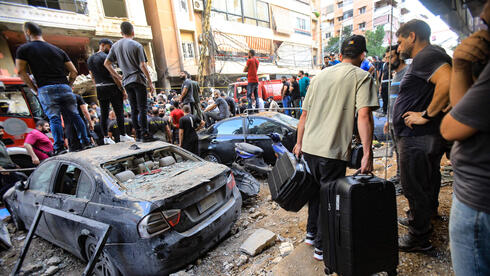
x=359, y=222
x=290, y=184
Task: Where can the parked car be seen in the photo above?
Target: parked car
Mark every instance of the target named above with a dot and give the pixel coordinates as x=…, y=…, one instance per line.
x=20, y=109
x=217, y=143
x=166, y=206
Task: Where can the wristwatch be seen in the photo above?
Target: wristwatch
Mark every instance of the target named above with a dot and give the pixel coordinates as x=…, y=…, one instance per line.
x=425, y=115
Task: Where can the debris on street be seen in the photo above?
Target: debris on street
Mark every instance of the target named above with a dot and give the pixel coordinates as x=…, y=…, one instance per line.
x=258, y=241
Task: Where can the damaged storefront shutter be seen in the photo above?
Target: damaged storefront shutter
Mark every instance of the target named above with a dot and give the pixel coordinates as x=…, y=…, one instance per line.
x=282, y=22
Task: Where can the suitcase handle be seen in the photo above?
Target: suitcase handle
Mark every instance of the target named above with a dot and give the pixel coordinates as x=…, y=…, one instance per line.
x=358, y=173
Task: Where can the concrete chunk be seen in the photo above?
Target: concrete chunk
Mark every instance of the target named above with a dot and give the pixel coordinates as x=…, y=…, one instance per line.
x=258, y=241
x=53, y=261
x=285, y=248
x=51, y=271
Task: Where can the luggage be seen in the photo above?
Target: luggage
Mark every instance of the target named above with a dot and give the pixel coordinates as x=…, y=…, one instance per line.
x=356, y=155
x=359, y=222
x=290, y=183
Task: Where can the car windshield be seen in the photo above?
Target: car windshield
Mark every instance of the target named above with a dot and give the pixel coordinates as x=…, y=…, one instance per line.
x=12, y=103
x=287, y=120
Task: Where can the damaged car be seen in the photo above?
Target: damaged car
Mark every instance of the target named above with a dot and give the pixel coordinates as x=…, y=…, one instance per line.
x=165, y=205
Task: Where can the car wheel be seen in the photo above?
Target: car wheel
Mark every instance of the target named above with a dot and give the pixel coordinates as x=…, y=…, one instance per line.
x=104, y=265
x=212, y=158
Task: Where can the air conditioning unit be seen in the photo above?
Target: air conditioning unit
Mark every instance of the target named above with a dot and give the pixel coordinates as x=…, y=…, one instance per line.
x=198, y=6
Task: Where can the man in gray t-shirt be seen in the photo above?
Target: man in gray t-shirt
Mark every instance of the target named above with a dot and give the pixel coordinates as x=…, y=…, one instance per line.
x=130, y=56
x=224, y=109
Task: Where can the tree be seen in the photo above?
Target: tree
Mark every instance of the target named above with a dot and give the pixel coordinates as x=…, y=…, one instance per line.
x=333, y=45
x=374, y=41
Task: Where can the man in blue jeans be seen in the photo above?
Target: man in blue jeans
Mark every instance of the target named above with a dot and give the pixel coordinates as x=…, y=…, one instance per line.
x=468, y=124
x=253, y=81
x=48, y=64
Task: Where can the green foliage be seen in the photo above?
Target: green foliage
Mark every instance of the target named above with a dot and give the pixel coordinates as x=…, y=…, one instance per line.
x=374, y=41
x=334, y=44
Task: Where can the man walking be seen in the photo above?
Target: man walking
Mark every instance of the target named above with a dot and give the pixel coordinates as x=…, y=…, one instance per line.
x=417, y=114
x=326, y=126
x=187, y=131
x=109, y=91
x=131, y=58
x=187, y=93
x=48, y=64
x=253, y=81
x=224, y=109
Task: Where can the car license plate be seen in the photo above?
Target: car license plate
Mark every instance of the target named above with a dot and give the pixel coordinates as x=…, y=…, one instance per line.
x=207, y=203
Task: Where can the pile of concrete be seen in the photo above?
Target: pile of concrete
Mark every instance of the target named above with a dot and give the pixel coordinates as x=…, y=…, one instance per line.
x=83, y=84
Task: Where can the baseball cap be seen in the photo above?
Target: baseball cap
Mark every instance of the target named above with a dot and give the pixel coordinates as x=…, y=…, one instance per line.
x=105, y=41
x=355, y=44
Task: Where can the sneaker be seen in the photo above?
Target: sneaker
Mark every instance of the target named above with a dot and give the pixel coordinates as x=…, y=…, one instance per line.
x=310, y=239
x=409, y=243
x=318, y=254
x=108, y=141
x=403, y=222
x=148, y=138
x=126, y=138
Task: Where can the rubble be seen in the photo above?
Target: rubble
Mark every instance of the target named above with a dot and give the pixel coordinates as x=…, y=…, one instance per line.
x=53, y=261
x=243, y=259
x=32, y=268
x=285, y=248
x=258, y=241
x=51, y=271
x=181, y=273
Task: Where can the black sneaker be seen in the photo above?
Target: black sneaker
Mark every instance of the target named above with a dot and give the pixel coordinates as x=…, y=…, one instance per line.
x=403, y=222
x=148, y=138
x=409, y=243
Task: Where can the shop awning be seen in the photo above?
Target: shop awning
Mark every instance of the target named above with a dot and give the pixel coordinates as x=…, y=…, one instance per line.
x=241, y=44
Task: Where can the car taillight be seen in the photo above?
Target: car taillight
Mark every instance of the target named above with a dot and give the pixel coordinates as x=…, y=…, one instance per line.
x=172, y=217
x=230, y=183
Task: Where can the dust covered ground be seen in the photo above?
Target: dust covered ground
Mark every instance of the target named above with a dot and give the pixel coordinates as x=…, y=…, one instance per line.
x=259, y=212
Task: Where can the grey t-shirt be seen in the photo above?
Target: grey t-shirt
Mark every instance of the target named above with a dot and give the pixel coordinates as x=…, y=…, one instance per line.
x=189, y=98
x=471, y=157
x=224, y=109
x=129, y=54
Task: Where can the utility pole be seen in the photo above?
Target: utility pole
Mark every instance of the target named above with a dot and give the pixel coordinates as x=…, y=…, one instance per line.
x=205, y=53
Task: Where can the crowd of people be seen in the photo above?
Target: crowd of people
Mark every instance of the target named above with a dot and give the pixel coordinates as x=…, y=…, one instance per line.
x=435, y=100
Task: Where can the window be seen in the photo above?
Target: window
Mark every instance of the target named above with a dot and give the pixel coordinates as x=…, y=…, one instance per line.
x=362, y=26
x=340, y=18
x=362, y=10
x=328, y=35
x=183, y=5
x=348, y=14
x=231, y=127
x=72, y=181
x=78, y=6
x=188, y=49
x=114, y=8
x=340, y=5
x=259, y=126
x=40, y=179
x=12, y=103
x=254, y=12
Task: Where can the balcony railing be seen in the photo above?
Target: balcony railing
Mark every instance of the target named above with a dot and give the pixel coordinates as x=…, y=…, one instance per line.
x=77, y=6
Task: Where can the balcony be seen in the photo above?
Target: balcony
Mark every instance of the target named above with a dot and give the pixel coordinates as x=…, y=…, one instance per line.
x=76, y=6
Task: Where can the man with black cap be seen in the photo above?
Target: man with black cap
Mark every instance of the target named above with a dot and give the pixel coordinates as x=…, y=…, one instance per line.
x=326, y=125
x=109, y=91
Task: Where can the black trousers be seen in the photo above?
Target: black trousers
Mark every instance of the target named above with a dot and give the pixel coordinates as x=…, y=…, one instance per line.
x=212, y=117
x=111, y=95
x=323, y=171
x=138, y=101
x=384, y=96
x=420, y=176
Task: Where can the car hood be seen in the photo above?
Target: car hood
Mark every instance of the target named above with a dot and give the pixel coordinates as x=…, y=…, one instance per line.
x=171, y=184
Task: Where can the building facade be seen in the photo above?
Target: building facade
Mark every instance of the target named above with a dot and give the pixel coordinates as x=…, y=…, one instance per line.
x=284, y=33
x=76, y=26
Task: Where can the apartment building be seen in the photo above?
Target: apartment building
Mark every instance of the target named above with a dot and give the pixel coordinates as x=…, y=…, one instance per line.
x=75, y=26
x=284, y=33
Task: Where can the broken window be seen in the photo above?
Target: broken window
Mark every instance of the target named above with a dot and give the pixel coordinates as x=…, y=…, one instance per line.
x=42, y=177
x=115, y=8
x=72, y=181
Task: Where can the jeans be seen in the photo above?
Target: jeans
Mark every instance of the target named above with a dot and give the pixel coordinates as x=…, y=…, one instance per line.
x=113, y=96
x=420, y=176
x=59, y=99
x=252, y=87
x=212, y=117
x=138, y=100
x=469, y=235
x=323, y=171
x=285, y=104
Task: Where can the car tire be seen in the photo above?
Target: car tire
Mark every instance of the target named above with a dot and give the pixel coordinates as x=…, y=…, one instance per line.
x=104, y=265
x=212, y=158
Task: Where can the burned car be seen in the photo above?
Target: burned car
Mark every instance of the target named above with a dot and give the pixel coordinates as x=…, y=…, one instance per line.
x=166, y=206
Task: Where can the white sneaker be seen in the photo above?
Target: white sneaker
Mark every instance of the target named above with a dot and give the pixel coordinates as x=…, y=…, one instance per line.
x=310, y=239
x=318, y=254
x=126, y=138
x=108, y=141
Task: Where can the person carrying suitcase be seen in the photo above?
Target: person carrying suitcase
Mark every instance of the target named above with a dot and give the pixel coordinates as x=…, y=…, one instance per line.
x=327, y=122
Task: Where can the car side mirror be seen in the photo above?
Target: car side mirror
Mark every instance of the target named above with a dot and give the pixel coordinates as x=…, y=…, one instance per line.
x=21, y=185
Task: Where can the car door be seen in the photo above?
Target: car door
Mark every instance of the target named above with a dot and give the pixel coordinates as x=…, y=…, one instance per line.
x=225, y=135
x=258, y=129
x=30, y=200
x=72, y=190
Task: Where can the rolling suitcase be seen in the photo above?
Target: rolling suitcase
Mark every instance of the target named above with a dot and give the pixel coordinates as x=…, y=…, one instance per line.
x=290, y=183
x=359, y=222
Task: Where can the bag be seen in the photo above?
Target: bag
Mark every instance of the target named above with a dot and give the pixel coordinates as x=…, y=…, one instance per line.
x=359, y=222
x=48, y=153
x=357, y=152
x=245, y=182
x=290, y=183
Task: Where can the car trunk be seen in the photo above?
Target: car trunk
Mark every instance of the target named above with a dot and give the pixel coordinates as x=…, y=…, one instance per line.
x=195, y=188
